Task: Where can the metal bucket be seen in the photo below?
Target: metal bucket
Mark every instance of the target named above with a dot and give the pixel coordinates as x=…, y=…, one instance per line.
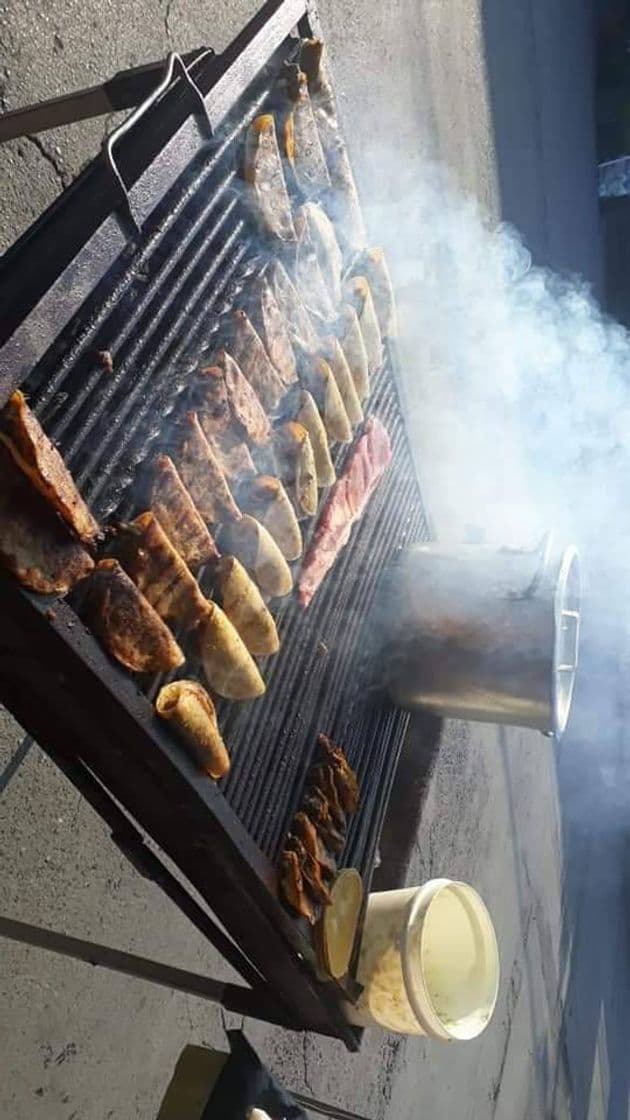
x=492, y=635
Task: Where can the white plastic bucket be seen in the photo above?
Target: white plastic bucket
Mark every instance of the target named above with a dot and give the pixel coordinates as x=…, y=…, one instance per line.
x=429, y=962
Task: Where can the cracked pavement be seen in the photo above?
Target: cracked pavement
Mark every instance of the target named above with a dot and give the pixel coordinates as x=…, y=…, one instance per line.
x=484, y=807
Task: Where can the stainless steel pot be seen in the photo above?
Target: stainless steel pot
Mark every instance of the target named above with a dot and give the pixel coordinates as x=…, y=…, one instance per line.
x=473, y=633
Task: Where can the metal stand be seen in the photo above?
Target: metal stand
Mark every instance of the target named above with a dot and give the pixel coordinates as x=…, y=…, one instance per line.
x=232, y=997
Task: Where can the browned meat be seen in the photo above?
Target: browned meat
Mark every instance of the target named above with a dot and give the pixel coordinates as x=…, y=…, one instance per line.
x=292, y=887
x=305, y=830
x=345, y=777
x=322, y=778
x=265, y=178
x=231, y=402
x=273, y=330
x=301, y=144
x=34, y=544
x=127, y=625
x=175, y=510
x=41, y=462
x=254, y=361
x=233, y=457
x=311, y=871
x=202, y=475
x=346, y=503
x=159, y=572
x=317, y=808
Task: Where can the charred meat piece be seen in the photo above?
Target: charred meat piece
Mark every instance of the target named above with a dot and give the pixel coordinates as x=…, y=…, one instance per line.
x=317, y=808
x=301, y=144
x=202, y=475
x=305, y=830
x=267, y=500
x=272, y=328
x=345, y=505
x=343, y=200
x=254, y=361
x=39, y=459
x=176, y=512
x=158, y=570
x=35, y=545
x=323, y=778
x=299, y=323
x=296, y=465
x=186, y=706
x=264, y=175
x=230, y=402
x=127, y=625
x=345, y=777
x=292, y=887
x=311, y=871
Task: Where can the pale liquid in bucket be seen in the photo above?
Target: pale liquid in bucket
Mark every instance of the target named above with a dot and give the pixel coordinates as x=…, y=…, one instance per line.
x=453, y=959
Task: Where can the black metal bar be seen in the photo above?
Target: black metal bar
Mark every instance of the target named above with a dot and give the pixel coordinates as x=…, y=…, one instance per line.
x=323, y=1109
x=232, y=997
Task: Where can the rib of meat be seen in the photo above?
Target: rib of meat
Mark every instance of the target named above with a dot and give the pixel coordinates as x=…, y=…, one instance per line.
x=127, y=625
x=41, y=462
x=34, y=544
x=345, y=777
x=346, y=504
x=175, y=510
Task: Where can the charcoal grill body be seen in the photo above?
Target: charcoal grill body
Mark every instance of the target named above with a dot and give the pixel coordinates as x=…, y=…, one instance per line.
x=145, y=253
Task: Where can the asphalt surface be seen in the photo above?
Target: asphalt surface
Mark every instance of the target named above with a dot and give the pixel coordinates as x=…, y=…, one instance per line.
x=486, y=90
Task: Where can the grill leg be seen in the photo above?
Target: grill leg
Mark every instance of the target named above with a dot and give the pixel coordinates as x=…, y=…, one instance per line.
x=233, y=997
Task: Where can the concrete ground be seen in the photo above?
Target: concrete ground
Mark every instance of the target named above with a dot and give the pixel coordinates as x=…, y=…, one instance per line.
x=500, y=93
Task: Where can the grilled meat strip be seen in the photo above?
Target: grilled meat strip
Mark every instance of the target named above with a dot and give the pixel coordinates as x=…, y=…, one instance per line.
x=292, y=887
x=311, y=871
x=176, y=512
x=230, y=402
x=323, y=778
x=35, y=545
x=346, y=503
x=202, y=475
x=159, y=572
x=254, y=361
x=127, y=625
x=345, y=777
x=272, y=328
x=305, y=830
x=316, y=807
x=41, y=462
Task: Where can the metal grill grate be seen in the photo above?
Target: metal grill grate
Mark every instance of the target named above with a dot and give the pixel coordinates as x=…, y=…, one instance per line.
x=159, y=310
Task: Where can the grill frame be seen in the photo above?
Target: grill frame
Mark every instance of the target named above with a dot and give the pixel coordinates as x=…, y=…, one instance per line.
x=129, y=760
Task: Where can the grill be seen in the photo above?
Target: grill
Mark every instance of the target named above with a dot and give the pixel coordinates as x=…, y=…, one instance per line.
x=149, y=271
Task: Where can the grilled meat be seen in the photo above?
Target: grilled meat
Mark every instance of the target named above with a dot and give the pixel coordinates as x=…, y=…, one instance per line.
x=186, y=706
x=254, y=361
x=301, y=144
x=157, y=569
x=233, y=456
x=345, y=505
x=39, y=459
x=244, y=606
x=254, y=546
x=228, y=666
x=202, y=476
x=272, y=328
x=299, y=323
x=292, y=887
x=230, y=402
x=311, y=871
x=265, y=178
x=267, y=500
x=176, y=512
x=304, y=828
x=323, y=778
x=296, y=465
x=35, y=545
x=127, y=625
x=317, y=808
x=345, y=777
